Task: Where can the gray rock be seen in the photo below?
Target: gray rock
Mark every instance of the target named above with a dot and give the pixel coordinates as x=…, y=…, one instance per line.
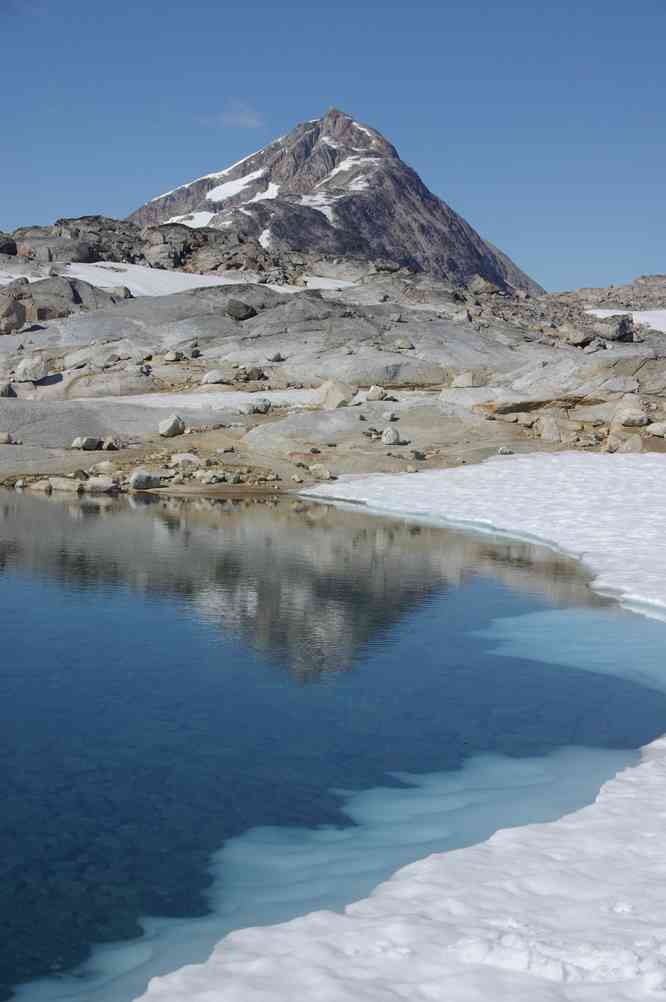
x=620, y=328
x=238, y=310
x=171, y=426
x=32, y=369
x=214, y=377
x=174, y=356
x=391, y=436
x=67, y=485
x=87, y=443
x=470, y=378
x=376, y=393
x=12, y=314
x=100, y=485
x=658, y=428
x=333, y=394
x=144, y=480
x=320, y=472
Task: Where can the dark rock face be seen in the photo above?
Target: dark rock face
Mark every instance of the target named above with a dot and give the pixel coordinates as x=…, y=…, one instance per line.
x=337, y=188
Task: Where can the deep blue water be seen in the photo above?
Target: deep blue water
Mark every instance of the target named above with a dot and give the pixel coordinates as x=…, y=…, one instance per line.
x=180, y=674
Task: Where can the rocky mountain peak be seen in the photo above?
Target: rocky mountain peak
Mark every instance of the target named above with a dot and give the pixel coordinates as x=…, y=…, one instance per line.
x=335, y=186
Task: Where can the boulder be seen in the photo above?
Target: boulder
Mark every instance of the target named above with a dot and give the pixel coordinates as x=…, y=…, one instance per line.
x=261, y=406
x=658, y=429
x=391, y=436
x=214, y=377
x=320, y=472
x=31, y=369
x=333, y=394
x=172, y=426
x=375, y=393
x=144, y=480
x=100, y=485
x=251, y=375
x=87, y=443
x=630, y=414
x=174, y=356
x=13, y=314
x=617, y=328
x=6, y=438
x=238, y=310
x=66, y=485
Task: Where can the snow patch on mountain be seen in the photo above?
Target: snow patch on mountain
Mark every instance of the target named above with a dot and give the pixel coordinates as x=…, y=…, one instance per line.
x=193, y=219
x=348, y=164
x=271, y=191
x=323, y=203
x=230, y=188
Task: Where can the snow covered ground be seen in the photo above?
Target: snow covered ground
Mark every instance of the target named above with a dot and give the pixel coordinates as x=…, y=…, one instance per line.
x=142, y=280
x=653, y=318
x=569, y=910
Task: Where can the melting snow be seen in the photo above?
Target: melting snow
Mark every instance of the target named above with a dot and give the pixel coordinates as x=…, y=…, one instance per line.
x=231, y=188
x=321, y=202
x=362, y=128
x=270, y=192
x=349, y=163
x=141, y=280
x=208, y=177
x=652, y=318
x=570, y=910
x=193, y=219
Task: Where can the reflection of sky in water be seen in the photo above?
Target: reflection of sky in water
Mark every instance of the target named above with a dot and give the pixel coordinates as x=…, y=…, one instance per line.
x=149, y=715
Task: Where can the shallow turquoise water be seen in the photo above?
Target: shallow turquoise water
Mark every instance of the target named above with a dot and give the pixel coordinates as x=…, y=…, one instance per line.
x=186, y=677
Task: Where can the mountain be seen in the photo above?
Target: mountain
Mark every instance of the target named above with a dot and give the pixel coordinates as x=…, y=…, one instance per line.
x=335, y=187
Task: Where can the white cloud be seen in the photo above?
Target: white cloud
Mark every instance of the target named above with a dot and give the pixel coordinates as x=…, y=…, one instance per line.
x=240, y=114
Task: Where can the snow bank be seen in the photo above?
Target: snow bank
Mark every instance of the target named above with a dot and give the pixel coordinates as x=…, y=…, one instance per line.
x=609, y=510
x=652, y=318
x=142, y=280
x=570, y=910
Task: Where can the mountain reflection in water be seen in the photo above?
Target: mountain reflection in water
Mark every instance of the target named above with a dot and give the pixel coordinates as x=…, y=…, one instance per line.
x=307, y=584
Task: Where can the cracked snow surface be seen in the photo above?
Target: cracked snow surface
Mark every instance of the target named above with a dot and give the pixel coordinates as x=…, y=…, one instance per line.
x=570, y=910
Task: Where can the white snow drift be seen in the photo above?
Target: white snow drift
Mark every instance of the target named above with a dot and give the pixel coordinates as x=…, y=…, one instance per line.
x=570, y=910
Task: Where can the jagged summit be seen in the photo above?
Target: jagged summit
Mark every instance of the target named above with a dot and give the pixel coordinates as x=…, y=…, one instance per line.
x=337, y=187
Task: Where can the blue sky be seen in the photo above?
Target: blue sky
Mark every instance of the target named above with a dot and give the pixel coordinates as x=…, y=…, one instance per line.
x=542, y=123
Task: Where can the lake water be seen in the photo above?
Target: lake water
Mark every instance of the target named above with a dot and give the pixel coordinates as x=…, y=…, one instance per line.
x=263, y=708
